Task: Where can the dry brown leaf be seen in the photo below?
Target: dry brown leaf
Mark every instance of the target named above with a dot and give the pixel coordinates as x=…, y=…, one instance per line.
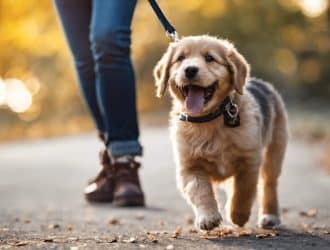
x=208, y=237
x=113, y=240
x=152, y=238
x=130, y=240
x=114, y=221
x=48, y=240
x=310, y=213
x=177, y=232
x=267, y=234
x=69, y=227
x=21, y=243
x=54, y=226
x=243, y=233
x=27, y=221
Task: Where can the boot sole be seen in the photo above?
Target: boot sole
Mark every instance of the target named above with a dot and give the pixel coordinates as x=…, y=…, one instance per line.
x=98, y=199
x=133, y=201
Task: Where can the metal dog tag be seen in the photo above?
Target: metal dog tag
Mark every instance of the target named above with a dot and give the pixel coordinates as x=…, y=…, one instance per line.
x=231, y=115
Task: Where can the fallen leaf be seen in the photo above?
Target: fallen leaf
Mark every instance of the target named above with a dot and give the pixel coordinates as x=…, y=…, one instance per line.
x=243, y=233
x=113, y=240
x=48, y=240
x=27, y=221
x=310, y=213
x=53, y=226
x=130, y=240
x=69, y=227
x=114, y=221
x=152, y=239
x=268, y=234
x=177, y=232
x=21, y=243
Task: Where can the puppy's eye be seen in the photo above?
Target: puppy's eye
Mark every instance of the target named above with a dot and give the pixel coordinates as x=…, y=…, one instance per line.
x=209, y=58
x=181, y=58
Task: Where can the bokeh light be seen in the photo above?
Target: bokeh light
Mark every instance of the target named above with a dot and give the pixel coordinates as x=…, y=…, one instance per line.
x=18, y=97
x=313, y=8
x=2, y=93
x=310, y=70
x=286, y=61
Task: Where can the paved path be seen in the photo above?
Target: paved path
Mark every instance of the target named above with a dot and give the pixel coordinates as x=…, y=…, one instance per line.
x=41, y=202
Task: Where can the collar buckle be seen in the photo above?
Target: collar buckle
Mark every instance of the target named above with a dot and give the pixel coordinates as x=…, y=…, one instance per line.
x=183, y=117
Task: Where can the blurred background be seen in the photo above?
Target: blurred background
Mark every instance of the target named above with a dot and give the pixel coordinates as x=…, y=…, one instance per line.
x=285, y=41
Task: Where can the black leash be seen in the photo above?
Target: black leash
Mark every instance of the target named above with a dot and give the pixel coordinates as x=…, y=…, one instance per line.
x=169, y=28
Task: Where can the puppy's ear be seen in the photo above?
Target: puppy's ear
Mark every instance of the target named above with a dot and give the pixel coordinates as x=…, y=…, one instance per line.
x=239, y=68
x=161, y=71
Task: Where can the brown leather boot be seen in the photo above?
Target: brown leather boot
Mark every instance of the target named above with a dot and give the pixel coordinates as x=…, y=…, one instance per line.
x=127, y=189
x=101, y=188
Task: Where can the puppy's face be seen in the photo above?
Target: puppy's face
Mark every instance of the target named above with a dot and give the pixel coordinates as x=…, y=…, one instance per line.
x=200, y=72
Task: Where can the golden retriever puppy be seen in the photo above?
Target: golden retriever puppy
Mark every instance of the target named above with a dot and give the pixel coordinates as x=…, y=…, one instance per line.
x=223, y=124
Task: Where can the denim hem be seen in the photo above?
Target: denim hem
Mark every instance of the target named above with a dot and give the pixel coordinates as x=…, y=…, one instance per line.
x=121, y=148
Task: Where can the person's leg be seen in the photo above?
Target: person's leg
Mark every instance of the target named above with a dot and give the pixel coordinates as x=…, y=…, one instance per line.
x=75, y=16
x=115, y=83
x=110, y=41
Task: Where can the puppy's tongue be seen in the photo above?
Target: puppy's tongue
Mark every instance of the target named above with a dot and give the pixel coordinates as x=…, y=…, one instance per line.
x=194, y=101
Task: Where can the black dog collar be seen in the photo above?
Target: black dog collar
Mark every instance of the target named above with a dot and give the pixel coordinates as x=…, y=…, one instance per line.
x=229, y=109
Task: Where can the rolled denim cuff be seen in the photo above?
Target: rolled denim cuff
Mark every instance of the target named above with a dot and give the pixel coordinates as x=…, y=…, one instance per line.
x=121, y=148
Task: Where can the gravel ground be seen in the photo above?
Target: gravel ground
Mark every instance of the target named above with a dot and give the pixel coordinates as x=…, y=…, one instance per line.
x=42, y=207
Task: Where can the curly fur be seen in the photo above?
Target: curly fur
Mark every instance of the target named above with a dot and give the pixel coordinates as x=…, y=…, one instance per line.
x=209, y=153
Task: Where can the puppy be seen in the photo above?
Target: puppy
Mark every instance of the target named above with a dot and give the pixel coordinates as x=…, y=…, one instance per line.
x=223, y=124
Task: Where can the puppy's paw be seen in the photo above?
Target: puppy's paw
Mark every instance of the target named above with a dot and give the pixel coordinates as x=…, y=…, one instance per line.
x=208, y=221
x=268, y=221
x=239, y=218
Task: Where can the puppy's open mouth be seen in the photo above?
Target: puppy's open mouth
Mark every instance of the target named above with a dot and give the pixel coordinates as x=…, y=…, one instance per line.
x=196, y=97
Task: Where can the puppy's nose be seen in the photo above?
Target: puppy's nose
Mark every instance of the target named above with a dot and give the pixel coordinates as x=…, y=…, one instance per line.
x=191, y=72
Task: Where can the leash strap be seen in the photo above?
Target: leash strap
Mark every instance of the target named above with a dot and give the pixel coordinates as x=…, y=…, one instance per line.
x=170, y=30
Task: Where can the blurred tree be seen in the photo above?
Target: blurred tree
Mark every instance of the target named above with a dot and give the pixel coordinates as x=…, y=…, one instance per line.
x=285, y=41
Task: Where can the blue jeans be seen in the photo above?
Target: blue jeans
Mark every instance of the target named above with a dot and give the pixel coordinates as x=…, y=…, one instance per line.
x=99, y=36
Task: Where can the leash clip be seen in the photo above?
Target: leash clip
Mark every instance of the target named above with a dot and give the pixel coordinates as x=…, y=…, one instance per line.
x=183, y=117
x=231, y=116
x=232, y=110
x=172, y=35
